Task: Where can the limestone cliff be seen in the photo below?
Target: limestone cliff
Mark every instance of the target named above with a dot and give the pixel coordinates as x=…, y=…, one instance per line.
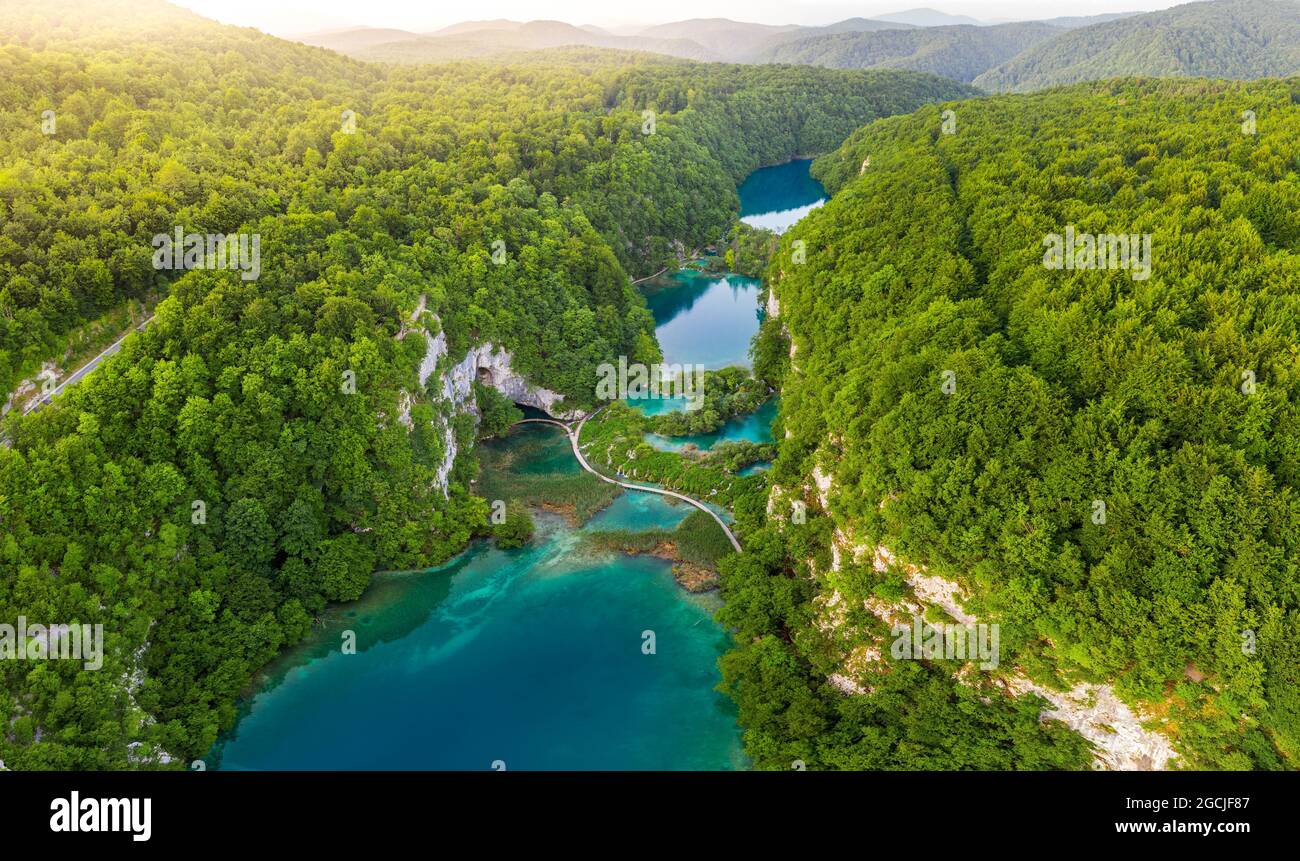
x=488, y=364
x=1124, y=738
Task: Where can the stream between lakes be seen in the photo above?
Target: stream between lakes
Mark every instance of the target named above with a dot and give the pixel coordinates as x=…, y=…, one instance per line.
x=532, y=658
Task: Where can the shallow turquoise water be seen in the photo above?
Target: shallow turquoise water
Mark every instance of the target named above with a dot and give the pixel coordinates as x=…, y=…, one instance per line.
x=755, y=427
x=640, y=511
x=531, y=656
x=776, y=197
x=655, y=406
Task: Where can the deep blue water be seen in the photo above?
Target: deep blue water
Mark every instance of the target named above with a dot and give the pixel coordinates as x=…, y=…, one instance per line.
x=776, y=197
x=710, y=318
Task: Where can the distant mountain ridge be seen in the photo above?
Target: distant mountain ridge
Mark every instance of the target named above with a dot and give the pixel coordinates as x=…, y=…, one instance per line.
x=719, y=39
x=961, y=52
x=721, y=36
x=1234, y=39
x=927, y=17
x=1239, y=39
x=474, y=39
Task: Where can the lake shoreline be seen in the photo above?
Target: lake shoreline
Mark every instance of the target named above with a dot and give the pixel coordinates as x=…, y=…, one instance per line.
x=530, y=656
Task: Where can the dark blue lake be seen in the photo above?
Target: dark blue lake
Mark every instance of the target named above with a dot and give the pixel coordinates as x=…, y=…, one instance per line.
x=709, y=318
x=776, y=197
x=705, y=318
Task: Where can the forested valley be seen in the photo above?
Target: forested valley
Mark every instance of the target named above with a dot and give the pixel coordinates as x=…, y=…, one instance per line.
x=1104, y=462
x=210, y=488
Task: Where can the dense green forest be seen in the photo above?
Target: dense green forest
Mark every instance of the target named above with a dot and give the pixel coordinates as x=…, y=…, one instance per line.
x=959, y=52
x=1171, y=400
x=249, y=456
x=723, y=395
x=445, y=160
x=1216, y=39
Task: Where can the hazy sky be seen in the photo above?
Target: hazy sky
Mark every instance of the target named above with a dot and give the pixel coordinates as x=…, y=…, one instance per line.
x=301, y=16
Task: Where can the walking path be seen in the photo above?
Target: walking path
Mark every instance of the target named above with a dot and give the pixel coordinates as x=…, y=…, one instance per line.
x=574, y=432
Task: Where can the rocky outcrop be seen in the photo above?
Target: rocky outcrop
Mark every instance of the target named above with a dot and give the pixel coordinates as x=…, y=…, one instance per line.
x=48, y=376
x=773, y=305
x=1117, y=732
x=486, y=363
x=491, y=365
x=1121, y=736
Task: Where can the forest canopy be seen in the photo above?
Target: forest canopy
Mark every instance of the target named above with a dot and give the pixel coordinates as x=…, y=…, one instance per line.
x=263, y=446
x=1171, y=401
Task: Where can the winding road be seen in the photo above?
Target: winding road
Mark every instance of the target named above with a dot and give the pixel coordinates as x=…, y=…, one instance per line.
x=573, y=433
x=79, y=374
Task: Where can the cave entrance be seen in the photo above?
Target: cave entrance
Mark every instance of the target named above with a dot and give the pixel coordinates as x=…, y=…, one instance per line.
x=485, y=377
x=531, y=412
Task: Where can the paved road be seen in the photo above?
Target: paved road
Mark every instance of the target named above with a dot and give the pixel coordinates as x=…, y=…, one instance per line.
x=574, y=432
x=83, y=371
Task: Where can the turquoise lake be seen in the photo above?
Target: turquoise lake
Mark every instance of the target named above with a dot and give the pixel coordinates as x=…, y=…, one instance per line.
x=755, y=427
x=531, y=658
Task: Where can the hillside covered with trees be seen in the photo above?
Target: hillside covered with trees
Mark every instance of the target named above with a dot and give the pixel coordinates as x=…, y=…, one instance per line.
x=263, y=445
x=1240, y=39
x=1170, y=400
x=961, y=52
x=709, y=39
x=500, y=37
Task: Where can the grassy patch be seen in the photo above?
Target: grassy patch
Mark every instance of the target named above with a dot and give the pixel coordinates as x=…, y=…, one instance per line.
x=698, y=539
x=560, y=486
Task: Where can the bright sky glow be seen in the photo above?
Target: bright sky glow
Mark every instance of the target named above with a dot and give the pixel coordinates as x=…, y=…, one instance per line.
x=290, y=17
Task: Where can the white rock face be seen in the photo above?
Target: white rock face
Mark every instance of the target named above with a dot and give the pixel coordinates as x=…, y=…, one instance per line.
x=436, y=350
x=823, y=482
x=489, y=365
x=49, y=371
x=1120, y=734
x=1094, y=712
x=1121, y=740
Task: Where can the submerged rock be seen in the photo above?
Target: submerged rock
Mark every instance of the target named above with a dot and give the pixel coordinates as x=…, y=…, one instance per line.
x=695, y=578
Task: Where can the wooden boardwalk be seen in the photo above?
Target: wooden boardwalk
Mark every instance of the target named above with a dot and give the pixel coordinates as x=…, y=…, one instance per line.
x=573, y=433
